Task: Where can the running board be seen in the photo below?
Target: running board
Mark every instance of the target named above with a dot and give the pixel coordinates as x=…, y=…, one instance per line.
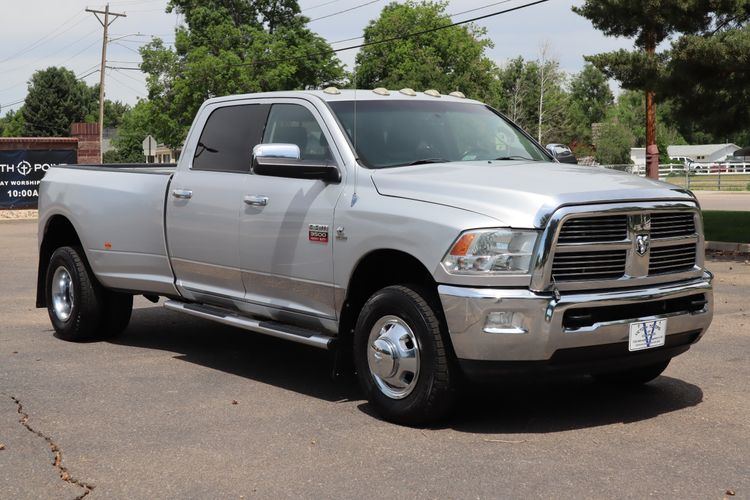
x=272, y=328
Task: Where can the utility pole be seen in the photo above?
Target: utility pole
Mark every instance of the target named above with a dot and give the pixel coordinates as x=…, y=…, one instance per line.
x=105, y=24
x=652, y=150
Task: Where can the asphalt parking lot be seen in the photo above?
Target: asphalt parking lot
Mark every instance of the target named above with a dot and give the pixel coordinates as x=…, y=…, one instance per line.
x=182, y=408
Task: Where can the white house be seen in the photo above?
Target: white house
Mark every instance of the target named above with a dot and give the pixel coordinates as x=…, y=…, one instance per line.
x=701, y=152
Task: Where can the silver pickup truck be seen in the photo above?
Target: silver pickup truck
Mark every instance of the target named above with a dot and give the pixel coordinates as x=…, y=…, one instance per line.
x=425, y=237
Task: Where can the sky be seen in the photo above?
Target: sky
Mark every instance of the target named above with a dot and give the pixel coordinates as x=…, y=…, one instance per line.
x=40, y=33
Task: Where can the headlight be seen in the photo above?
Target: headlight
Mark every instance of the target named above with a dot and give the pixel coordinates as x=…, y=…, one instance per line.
x=491, y=251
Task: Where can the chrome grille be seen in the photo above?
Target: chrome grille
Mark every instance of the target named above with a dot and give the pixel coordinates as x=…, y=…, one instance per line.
x=575, y=266
x=618, y=249
x=594, y=229
x=672, y=259
x=672, y=224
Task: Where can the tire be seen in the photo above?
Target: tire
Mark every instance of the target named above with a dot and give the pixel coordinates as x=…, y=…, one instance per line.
x=74, y=299
x=633, y=376
x=400, y=356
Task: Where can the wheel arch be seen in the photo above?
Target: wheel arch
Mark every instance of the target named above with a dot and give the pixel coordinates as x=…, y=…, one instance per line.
x=375, y=270
x=58, y=232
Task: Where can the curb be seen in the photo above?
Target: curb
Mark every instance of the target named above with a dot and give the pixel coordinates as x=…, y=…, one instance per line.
x=723, y=246
x=20, y=219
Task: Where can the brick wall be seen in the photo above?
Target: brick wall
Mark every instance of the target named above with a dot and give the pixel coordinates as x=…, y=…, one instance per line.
x=88, y=142
x=38, y=143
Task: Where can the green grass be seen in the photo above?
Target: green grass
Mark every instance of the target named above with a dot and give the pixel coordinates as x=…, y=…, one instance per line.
x=734, y=182
x=727, y=226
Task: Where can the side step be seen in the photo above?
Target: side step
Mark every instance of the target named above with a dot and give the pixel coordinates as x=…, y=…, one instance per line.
x=272, y=328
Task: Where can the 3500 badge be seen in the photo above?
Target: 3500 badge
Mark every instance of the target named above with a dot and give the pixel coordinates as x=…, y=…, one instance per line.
x=318, y=233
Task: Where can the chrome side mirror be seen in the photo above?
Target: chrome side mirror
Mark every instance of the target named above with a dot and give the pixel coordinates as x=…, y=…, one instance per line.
x=287, y=151
x=283, y=160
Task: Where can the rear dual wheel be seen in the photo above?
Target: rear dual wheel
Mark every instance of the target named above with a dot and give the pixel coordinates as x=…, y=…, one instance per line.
x=79, y=307
x=401, y=358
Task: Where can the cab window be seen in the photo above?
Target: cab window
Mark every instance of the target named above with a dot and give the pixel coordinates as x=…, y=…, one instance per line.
x=228, y=137
x=294, y=124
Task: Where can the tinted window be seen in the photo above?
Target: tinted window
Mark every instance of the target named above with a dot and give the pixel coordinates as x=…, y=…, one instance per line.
x=398, y=133
x=294, y=124
x=228, y=138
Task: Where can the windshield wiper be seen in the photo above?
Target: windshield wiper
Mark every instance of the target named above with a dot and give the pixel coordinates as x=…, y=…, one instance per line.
x=424, y=161
x=514, y=157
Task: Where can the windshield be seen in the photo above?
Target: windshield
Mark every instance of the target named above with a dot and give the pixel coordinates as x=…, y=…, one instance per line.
x=397, y=133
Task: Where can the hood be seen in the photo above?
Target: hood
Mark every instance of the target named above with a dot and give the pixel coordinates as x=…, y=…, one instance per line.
x=519, y=194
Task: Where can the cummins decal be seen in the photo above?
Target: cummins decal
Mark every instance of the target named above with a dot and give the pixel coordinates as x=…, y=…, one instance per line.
x=22, y=171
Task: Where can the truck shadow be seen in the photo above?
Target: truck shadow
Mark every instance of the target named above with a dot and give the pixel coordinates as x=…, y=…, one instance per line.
x=523, y=406
x=568, y=403
x=294, y=367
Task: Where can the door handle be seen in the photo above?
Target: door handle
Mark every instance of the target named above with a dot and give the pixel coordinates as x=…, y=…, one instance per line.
x=256, y=200
x=183, y=194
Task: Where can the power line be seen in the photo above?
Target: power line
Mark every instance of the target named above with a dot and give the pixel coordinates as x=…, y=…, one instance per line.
x=450, y=15
x=52, y=54
x=394, y=38
x=312, y=7
x=125, y=84
x=479, y=8
x=50, y=36
x=344, y=11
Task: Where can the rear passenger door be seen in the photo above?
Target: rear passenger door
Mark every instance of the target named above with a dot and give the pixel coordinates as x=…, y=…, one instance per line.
x=286, y=245
x=206, y=199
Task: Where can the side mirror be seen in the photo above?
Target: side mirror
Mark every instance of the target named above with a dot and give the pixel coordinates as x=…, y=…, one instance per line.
x=283, y=160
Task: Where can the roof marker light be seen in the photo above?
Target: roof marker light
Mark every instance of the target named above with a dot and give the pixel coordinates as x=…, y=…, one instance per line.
x=458, y=94
x=381, y=91
x=332, y=90
x=432, y=92
x=408, y=91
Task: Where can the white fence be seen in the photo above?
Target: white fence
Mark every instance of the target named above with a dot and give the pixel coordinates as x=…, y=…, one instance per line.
x=715, y=176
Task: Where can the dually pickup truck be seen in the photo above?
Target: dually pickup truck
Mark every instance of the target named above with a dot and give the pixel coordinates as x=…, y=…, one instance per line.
x=425, y=237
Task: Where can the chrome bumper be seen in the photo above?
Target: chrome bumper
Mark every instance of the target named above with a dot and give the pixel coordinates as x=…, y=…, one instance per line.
x=541, y=331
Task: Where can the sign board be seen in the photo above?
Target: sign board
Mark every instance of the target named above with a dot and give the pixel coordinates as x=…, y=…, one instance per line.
x=21, y=171
x=149, y=146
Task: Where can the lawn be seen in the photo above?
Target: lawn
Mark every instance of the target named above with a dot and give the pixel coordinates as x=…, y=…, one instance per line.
x=727, y=226
x=725, y=182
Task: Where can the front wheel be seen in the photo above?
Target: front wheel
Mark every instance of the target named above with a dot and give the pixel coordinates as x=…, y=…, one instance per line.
x=401, y=360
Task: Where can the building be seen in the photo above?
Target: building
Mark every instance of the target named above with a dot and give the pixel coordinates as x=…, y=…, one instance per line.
x=702, y=153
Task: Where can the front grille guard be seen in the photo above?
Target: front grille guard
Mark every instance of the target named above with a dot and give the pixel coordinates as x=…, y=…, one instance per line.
x=541, y=280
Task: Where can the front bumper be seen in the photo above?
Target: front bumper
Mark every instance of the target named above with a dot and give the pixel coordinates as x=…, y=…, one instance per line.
x=545, y=333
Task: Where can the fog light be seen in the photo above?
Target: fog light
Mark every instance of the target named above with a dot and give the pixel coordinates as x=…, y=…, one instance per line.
x=504, y=322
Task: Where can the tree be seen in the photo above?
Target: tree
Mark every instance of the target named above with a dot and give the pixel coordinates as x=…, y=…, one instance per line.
x=590, y=100
x=446, y=60
x=114, y=111
x=649, y=23
x=613, y=142
x=135, y=126
x=55, y=99
x=230, y=47
x=528, y=87
x=708, y=76
x=11, y=125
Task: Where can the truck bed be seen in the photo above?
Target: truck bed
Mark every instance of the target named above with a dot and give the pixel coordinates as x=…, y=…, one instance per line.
x=118, y=213
x=141, y=168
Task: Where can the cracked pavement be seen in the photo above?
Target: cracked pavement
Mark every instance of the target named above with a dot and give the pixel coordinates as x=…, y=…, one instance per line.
x=151, y=415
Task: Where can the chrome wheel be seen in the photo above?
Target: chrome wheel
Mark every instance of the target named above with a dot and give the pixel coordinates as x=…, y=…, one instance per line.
x=62, y=293
x=393, y=357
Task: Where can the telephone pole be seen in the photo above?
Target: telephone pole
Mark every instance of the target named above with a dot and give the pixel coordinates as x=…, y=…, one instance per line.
x=105, y=24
